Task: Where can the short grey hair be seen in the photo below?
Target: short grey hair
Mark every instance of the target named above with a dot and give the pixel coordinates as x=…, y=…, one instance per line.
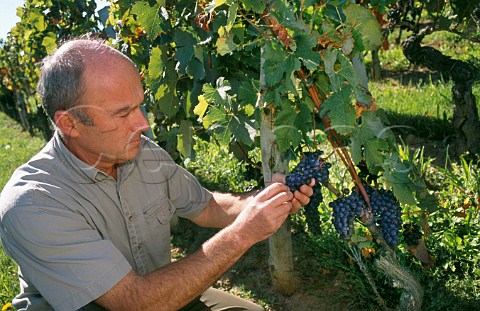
x=61, y=85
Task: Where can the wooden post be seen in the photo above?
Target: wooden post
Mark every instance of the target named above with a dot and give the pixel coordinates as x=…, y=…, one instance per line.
x=280, y=244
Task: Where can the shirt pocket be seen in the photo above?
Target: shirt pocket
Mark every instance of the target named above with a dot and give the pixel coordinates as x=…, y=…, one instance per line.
x=160, y=210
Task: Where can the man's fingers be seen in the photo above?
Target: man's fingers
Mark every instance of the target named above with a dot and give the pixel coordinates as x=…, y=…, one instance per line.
x=272, y=190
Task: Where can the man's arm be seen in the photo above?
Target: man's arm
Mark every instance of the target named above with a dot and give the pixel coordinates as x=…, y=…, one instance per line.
x=173, y=286
x=223, y=208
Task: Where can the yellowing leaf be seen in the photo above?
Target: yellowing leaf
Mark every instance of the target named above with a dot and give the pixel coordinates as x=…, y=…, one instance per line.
x=201, y=108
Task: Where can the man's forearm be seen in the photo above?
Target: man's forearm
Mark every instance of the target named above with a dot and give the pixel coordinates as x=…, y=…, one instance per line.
x=173, y=286
x=223, y=209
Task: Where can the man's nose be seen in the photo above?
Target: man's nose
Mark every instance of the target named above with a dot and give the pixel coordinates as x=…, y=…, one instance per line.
x=140, y=123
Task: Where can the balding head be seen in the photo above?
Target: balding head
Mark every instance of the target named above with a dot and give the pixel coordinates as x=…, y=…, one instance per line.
x=62, y=79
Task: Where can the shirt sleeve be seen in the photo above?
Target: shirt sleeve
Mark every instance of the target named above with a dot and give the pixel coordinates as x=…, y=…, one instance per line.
x=185, y=193
x=66, y=259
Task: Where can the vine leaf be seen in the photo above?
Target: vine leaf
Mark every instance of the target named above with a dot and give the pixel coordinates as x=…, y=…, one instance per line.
x=184, y=140
x=242, y=130
x=149, y=18
x=397, y=175
x=254, y=5
x=287, y=136
x=374, y=153
x=305, y=42
x=340, y=110
x=201, y=107
x=280, y=65
x=339, y=72
x=214, y=115
x=225, y=44
x=166, y=92
x=50, y=42
x=364, y=22
x=232, y=15
x=370, y=139
x=156, y=64
x=286, y=131
x=185, y=49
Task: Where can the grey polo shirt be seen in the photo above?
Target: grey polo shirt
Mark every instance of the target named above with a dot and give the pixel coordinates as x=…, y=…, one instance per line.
x=75, y=231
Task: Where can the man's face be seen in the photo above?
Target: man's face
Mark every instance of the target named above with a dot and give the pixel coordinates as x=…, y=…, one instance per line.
x=112, y=102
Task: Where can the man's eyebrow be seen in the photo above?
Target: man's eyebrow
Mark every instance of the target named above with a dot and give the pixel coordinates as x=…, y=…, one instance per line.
x=124, y=109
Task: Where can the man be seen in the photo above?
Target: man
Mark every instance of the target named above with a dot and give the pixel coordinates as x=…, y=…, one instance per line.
x=87, y=219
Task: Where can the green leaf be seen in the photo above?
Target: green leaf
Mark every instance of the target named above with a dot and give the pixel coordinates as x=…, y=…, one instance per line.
x=166, y=94
x=340, y=110
x=195, y=69
x=148, y=17
x=232, y=15
x=50, y=42
x=280, y=65
x=168, y=100
x=184, y=140
x=363, y=20
x=156, y=65
x=257, y=6
x=286, y=115
x=242, y=130
x=399, y=181
x=248, y=92
x=185, y=49
x=219, y=94
x=374, y=150
x=305, y=42
x=286, y=136
x=303, y=121
x=214, y=115
x=37, y=20
x=340, y=71
x=370, y=134
x=310, y=59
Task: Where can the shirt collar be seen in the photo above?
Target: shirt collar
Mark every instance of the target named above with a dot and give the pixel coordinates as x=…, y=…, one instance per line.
x=83, y=168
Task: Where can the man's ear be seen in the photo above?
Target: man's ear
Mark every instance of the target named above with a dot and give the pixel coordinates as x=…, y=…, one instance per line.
x=66, y=122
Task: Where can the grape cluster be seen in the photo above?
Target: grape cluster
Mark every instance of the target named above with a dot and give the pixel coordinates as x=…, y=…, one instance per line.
x=311, y=166
x=312, y=215
x=387, y=214
x=411, y=234
x=345, y=209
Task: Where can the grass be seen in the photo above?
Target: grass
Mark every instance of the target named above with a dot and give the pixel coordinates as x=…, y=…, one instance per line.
x=16, y=147
x=417, y=101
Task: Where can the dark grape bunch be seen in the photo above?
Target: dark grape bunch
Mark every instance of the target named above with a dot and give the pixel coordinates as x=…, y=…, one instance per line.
x=387, y=214
x=345, y=209
x=312, y=215
x=411, y=234
x=311, y=166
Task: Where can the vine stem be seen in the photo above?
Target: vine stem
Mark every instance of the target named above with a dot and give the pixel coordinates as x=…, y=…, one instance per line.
x=334, y=138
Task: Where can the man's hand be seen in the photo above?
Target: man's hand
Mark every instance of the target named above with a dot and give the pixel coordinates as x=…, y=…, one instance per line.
x=300, y=198
x=264, y=213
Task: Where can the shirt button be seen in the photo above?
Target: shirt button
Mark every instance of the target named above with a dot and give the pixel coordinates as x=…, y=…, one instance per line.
x=130, y=218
